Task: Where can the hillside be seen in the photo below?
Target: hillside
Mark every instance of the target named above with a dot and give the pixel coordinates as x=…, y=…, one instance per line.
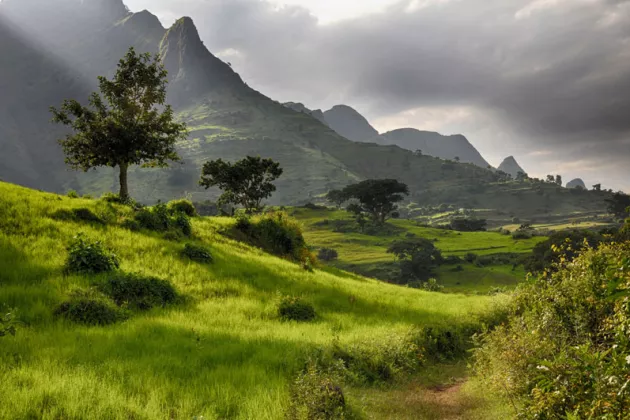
x=366, y=253
x=219, y=352
x=227, y=119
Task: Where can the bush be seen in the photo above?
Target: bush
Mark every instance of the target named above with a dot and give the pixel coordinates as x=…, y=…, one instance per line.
x=80, y=214
x=278, y=234
x=432, y=286
x=89, y=257
x=522, y=235
x=182, y=206
x=137, y=291
x=327, y=254
x=197, y=253
x=115, y=198
x=7, y=323
x=160, y=219
x=563, y=352
x=452, y=260
x=182, y=223
x=445, y=342
x=72, y=194
x=90, y=308
x=295, y=309
x=316, y=395
x=470, y=257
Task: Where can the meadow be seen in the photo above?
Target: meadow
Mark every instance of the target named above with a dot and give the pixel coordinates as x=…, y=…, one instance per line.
x=367, y=253
x=221, y=352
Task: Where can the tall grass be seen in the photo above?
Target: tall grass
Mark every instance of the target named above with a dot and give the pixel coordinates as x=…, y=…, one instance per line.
x=223, y=353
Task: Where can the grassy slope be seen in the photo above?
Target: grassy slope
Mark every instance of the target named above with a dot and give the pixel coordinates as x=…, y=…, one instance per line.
x=224, y=354
x=367, y=254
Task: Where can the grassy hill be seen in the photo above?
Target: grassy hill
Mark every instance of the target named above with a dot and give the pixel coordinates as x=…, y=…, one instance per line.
x=220, y=352
x=366, y=254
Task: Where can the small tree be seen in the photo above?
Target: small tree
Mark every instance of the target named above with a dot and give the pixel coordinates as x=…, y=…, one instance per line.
x=618, y=204
x=124, y=126
x=246, y=183
x=551, y=179
x=377, y=197
x=457, y=159
x=418, y=258
x=559, y=180
x=336, y=197
x=597, y=187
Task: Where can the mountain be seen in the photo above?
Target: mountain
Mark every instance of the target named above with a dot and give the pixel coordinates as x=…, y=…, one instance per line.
x=226, y=118
x=455, y=147
x=576, y=183
x=350, y=124
x=510, y=166
x=299, y=107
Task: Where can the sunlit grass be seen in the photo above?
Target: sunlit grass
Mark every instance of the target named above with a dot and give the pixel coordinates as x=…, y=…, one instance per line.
x=223, y=353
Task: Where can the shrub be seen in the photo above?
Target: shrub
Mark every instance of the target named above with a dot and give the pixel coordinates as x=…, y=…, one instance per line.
x=160, y=219
x=278, y=234
x=522, y=234
x=452, y=260
x=72, y=194
x=295, y=309
x=182, y=206
x=89, y=257
x=137, y=291
x=131, y=224
x=197, y=253
x=7, y=323
x=115, y=198
x=563, y=352
x=80, y=214
x=90, y=308
x=470, y=257
x=316, y=395
x=432, y=286
x=444, y=343
x=327, y=254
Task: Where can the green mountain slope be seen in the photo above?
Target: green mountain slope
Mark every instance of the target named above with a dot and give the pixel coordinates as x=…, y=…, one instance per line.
x=220, y=353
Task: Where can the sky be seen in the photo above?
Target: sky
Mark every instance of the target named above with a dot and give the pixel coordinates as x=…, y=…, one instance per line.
x=547, y=81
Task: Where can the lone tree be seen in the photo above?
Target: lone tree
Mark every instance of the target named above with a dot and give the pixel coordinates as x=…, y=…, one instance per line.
x=245, y=183
x=377, y=197
x=619, y=204
x=418, y=258
x=559, y=180
x=127, y=125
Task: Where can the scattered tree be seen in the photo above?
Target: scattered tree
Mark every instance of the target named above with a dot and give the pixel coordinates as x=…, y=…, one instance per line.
x=551, y=179
x=597, y=187
x=618, y=204
x=457, y=159
x=521, y=176
x=559, y=180
x=124, y=126
x=246, y=183
x=336, y=197
x=418, y=258
x=377, y=197
x=418, y=152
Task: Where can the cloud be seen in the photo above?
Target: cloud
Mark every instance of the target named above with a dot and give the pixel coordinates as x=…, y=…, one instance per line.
x=531, y=74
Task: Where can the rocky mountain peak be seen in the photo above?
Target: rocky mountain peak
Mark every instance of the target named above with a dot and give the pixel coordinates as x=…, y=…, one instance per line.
x=511, y=166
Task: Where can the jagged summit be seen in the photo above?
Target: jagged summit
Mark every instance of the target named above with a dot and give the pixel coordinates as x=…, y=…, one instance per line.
x=511, y=166
x=193, y=70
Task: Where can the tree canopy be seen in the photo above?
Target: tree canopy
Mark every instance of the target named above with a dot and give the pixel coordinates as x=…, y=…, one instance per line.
x=246, y=182
x=336, y=197
x=618, y=204
x=126, y=124
x=418, y=258
x=377, y=197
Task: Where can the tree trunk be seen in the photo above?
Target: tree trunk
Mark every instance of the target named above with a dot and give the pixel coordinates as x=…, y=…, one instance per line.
x=124, y=189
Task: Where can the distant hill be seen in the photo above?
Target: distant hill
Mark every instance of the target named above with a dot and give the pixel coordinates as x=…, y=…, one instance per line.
x=576, y=183
x=350, y=124
x=510, y=166
x=455, y=147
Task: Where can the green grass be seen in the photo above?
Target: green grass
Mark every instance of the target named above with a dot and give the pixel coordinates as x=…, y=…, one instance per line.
x=222, y=353
x=367, y=254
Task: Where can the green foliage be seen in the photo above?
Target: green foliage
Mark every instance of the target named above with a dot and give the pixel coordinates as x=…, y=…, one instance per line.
x=8, y=323
x=130, y=126
x=182, y=206
x=432, y=285
x=278, y=234
x=137, y=291
x=562, y=246
x=86, y=256
x=91, y=308
x=293, y=308
x=160, y=219
x=564, y=350
x=618, y=204
x=246, y=183
x=197, y=253
x=327, y=254
x=377, y=197
x=72, y=194
x=521, y=234
x=418, y=258
x=337, y=197
x=78, y=214
x=469, y=225
x=316, y=395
